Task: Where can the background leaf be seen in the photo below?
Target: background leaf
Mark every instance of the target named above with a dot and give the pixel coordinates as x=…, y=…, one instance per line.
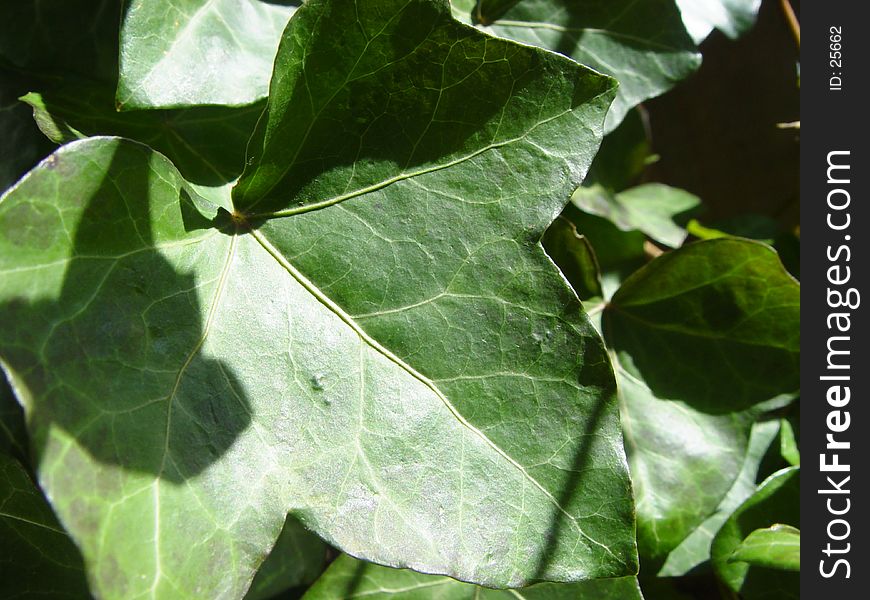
x=644, y=45
x=655, y=209
x=296, y=559
x=348, y=578
x=38, y=559
x=731, y=17
x=694, y=551
x=775, y=547
x=180, y=53
x=778, y=499
x=681, y=330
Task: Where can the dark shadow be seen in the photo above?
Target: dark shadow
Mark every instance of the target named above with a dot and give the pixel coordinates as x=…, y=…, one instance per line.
x=115, y=359
x=386, y=103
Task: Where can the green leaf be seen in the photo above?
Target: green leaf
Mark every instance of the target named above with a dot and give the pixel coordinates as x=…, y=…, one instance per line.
x=699, y=336
x=207, y=144
x=777, y=498
x=788, y=446
x=396, y=363
x=13, y=432
x=725, y=311
x=348, y=578
x=731, y=17
x=655, y=209
x=618, y=253
x=775, y=547
x=38, y=559
x=23, y=145
x=178, y=53
x=297, y=558
x=694, y=551
x=644, y=45
x=624, y=154
x=575, y=257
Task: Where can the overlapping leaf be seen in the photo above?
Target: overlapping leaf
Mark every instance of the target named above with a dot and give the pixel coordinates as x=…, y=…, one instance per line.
x=777, y=498
x=397, y=362
x=644, y=45
x=190, y=52
x=701, y=337
x=38, y=559
x=774, y=547
x=348, y=578
x=694, y=550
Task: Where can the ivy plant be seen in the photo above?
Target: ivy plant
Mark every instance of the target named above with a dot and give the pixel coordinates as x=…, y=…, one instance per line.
x=340, y=297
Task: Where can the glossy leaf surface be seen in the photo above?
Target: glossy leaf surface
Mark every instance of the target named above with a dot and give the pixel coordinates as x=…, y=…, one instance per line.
x=188, y=52
x=774, y=547
x=644, y=45
x=694, y=550
x=372, y=363
x=731, y=17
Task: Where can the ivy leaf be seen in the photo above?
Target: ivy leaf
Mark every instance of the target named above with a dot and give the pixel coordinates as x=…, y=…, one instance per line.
x=181, y=53
x=701, y=337
x=207, y=143
x=775, y=547
x=348, y=578
x=658, y=210
x=23, y=145
x=778, y=497
x=373, y=363
x=644, y=45
x=617, y=253
x=694, y=551
x=575, y=257
x=731, y=17
x=727, y=308
x=39, y=560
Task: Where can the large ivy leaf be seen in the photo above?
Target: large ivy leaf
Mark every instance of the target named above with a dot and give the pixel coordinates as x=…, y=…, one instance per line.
x=188, y=52
x=700, y=337
x=373, y=364
x=37, y=559
x=644, y=45
x=348, y=578
x=624, y=154
x=694, y=551
x=777, y=499
x=774, y=547
x=731, y=17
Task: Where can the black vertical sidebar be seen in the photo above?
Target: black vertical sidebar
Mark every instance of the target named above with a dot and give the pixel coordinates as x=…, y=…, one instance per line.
x=835, y=258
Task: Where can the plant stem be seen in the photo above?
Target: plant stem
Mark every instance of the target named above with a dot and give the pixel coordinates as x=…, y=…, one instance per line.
x=793, y=24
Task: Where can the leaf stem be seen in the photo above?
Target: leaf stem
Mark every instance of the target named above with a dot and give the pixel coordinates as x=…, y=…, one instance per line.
x=792, y=21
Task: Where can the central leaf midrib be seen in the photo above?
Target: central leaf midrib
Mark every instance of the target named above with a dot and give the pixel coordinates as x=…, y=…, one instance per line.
x=371, y=342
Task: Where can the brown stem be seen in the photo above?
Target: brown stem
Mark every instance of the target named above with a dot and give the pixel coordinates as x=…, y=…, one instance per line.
x=793, y=24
